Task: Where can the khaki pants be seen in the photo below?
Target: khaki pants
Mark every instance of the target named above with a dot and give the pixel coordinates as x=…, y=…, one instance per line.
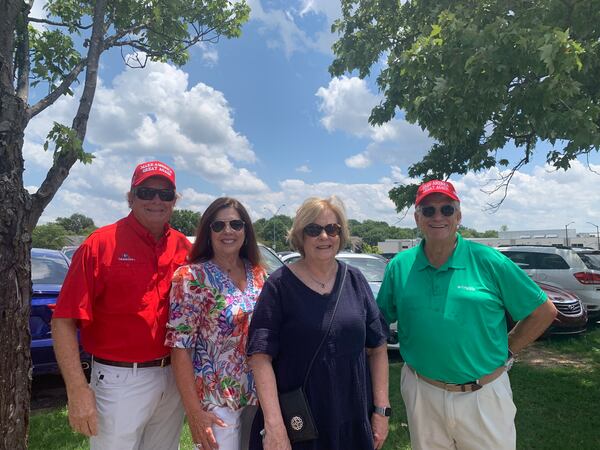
x=441, y=420
x=138, y=409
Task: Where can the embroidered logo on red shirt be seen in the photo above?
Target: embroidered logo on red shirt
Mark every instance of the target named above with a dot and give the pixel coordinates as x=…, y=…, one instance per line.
x=125, y=258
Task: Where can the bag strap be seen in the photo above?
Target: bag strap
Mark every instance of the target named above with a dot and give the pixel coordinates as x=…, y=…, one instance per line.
x=337, y=301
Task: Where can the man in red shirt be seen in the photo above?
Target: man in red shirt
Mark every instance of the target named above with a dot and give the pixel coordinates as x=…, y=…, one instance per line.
x=116, y=293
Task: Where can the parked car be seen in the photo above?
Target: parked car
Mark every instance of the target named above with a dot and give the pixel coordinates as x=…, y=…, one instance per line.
x=68, y=250
x=572, y=314
x=575, y=269
x=48, y=271
x=291, y=257
x=270, y=259
x=371, y=266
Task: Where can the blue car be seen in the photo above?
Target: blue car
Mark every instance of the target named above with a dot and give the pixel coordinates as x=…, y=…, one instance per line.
x=48, y=271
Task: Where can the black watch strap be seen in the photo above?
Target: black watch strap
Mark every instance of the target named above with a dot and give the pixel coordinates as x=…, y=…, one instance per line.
x=385, y=411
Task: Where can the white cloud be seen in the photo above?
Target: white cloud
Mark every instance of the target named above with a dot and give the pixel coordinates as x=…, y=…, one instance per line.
x=303, y=169
x=147, y=114
x=282, y=30
x=208, y=53
x=359, y=161
x=542, y=199
x=37, y=11
x=346, y=104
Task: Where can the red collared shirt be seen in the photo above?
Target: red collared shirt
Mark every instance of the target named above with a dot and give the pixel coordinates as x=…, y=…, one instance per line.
x=118, y=290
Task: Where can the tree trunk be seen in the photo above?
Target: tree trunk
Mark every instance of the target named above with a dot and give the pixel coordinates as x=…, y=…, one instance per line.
x=15, y=279
x=15, y=244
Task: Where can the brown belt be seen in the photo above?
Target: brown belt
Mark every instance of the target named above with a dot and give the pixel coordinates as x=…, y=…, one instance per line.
x=471, y=386
x=163, y=362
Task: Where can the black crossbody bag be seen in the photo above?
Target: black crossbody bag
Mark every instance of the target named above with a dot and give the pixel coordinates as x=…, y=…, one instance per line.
x=294, y=405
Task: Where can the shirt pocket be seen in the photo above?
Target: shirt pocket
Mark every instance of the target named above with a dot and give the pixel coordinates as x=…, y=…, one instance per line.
x=129, y=288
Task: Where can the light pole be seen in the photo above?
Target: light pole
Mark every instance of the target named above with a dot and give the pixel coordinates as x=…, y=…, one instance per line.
x=567, y=233
x=597, y=235
x=274, y=243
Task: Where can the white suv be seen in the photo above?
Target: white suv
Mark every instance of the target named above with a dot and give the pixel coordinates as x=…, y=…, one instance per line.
x=572, y=268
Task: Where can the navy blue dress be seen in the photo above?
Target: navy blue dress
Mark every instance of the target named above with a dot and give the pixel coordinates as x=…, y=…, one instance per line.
x=288, y=323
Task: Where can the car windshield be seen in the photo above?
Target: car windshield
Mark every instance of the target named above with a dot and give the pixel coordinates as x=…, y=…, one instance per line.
x=372, y=268
x=591, y=260
x=271, y=261
x=68, y=251
x=48, y=268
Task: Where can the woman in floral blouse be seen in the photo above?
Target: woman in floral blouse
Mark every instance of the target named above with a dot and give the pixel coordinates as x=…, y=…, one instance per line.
x=212, y=300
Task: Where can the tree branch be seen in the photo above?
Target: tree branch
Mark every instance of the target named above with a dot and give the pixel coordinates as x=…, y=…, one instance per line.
x=65, y=159
x=502, y=182
x=22, y=63
x=61, y=89
x=61, y=24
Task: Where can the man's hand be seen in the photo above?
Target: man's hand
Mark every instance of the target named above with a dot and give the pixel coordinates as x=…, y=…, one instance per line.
x=201, y=426
x=83, y=416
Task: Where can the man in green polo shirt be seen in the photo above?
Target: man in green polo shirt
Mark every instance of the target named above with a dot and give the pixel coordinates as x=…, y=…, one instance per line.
x=450, y=297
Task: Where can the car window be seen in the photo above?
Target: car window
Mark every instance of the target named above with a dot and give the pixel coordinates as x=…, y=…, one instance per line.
x=271, y=262
x=48, y=268
x=525, y=260
x=551, y=261
x=591, y=259
x=372, y=268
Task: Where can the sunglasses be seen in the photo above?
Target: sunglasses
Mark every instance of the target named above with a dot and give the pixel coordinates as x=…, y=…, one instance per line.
x=146, y=193
x=219, y=225
x=446, y=210
x=314, y=229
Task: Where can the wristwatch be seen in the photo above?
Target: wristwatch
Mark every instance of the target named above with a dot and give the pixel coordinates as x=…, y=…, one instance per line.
x=384, y=411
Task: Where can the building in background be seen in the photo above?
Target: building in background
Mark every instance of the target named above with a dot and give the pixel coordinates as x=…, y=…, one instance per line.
x=554, y=237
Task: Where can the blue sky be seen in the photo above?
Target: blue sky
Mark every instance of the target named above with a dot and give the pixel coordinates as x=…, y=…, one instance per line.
x=259, y=118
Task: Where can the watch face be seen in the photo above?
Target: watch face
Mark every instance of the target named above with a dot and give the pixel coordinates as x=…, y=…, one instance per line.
x=387, y=411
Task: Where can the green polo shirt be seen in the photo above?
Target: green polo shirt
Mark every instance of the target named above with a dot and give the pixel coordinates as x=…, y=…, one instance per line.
x=451, y=320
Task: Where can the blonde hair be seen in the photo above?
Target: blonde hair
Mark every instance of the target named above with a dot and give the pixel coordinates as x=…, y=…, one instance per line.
x=309, y=211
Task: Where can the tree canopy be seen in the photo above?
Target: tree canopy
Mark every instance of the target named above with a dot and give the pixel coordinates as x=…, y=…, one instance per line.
x=77, y=224
x=478, y=76
x=185, y=221
x=273, y=232
x=50, y=235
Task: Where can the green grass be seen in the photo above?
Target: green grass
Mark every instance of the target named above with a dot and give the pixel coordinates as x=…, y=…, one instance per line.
x=557, y=406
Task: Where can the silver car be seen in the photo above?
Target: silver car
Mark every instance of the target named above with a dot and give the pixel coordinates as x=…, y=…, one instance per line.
x=574, y=269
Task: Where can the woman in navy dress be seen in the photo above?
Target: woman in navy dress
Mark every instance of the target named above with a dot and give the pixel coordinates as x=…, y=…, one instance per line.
x=347, y=388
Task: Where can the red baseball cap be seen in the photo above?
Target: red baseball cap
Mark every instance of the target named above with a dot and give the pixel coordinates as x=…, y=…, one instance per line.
x=149, y=169
x=436, y=186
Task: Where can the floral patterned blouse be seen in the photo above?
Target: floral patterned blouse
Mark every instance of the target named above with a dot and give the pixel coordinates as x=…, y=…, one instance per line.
x=210, y=315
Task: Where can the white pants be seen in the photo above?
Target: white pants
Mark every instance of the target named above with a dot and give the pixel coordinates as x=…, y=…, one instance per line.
x=236, y=435
x=442, y=420
x=138, y=409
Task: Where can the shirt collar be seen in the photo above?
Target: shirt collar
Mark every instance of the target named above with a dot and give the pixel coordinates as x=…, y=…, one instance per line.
x=454, y=261
x=143, y=232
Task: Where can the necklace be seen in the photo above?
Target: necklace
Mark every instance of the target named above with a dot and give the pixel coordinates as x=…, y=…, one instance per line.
x=321, y=284
x=224, y=268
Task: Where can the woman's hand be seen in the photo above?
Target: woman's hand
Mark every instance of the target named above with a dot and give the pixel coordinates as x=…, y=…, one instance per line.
x=380, y=427
x=201, y=423
x=276, y=439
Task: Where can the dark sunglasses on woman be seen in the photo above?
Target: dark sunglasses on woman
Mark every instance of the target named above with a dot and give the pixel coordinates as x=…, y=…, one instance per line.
x=314, y=229
x=219, y=225
x=146, y=193
x=446, y=210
